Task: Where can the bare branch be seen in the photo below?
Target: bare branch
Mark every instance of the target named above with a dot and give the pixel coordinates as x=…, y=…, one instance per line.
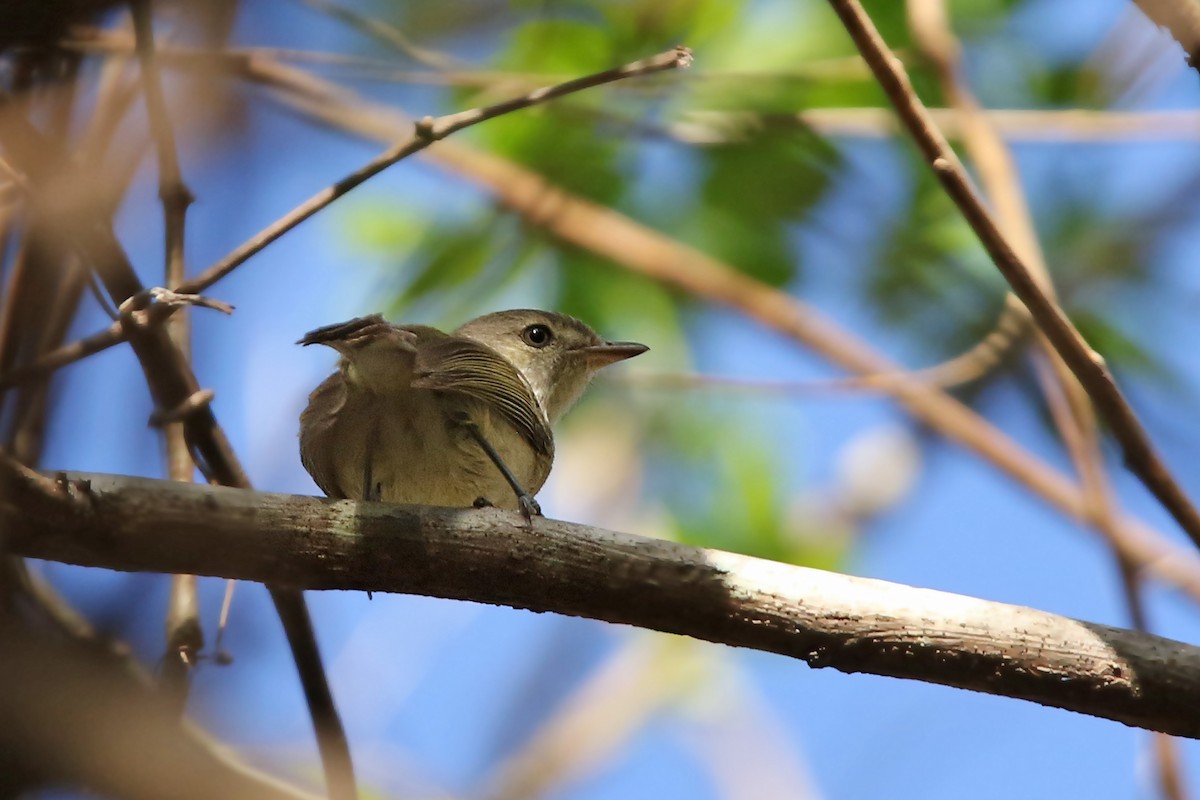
x=1181, y=18
x=425, y=133
x=174, y=386
x=166, y=303
x=1087, y=365
x=172, y=191
x=74, y=716
x=828, y=620
x=1062, y=125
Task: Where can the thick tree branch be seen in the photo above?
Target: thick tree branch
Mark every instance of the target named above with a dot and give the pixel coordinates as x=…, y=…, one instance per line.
x=825, y=619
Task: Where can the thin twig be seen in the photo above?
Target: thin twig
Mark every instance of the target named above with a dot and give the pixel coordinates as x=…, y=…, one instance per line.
x=1087, y=365
x=67, y=354
x=102, y=300
x=425, y=133
x=172, y=191
x=165, y=304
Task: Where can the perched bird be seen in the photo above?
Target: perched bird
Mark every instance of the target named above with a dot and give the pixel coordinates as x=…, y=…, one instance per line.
x=415, y=415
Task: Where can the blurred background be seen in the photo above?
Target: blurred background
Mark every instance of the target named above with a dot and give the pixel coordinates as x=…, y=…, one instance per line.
x=776, y=155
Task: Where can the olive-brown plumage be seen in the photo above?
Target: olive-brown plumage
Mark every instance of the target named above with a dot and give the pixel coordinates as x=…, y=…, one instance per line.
x=411, y=411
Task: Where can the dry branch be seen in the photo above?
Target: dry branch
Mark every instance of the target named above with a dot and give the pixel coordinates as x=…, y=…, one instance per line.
x=174, y=386
x=1087, y=365
x=73, y=716
x=424, y=133
x=185, y=634
x=1181, y=18
x=490, y=556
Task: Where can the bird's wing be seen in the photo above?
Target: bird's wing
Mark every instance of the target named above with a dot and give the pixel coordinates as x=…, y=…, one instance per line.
x=456, y=364
x=363, y=335
x=374, y=354
x=316, y=428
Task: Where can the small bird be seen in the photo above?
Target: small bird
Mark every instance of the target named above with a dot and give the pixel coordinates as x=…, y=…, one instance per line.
x=415, y=415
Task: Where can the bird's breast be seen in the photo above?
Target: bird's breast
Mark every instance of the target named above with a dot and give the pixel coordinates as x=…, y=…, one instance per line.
x=420, y=454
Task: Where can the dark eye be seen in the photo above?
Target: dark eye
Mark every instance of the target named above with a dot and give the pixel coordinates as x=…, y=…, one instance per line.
x=537, y=335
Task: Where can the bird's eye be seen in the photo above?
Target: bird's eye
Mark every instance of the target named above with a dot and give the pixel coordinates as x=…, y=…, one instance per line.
x=537, y=335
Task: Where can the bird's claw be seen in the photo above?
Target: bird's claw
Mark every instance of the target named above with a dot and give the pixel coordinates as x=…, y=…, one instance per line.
x=529, y=507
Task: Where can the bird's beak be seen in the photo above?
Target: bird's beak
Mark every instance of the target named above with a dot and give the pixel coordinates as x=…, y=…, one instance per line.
x=601, y=355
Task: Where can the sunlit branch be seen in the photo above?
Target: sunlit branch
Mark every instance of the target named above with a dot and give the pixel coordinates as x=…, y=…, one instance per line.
x=491, y=556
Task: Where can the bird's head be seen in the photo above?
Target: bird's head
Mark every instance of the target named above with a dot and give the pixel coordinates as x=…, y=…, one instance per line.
x=556, y=353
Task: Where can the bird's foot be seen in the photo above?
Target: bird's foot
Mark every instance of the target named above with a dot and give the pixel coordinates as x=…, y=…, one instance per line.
x=529, y=507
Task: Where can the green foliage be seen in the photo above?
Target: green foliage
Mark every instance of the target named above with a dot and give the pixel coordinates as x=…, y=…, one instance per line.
x=930, y=258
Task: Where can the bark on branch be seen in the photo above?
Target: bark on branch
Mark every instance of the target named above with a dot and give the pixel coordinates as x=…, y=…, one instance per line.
x=826, y=619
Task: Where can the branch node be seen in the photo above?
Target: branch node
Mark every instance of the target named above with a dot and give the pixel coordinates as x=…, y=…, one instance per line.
x=425, y=129
x=176, y=195
x=167, y=297
x=193, y=403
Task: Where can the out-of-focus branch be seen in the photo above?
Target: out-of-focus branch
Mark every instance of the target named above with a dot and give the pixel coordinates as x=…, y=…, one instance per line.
x=60, y=357
x=930, y=28
x=74, y=717
x=717, y=127
x=176, y=392
x=184, y=634
x=602, y=713
x=492, y=556
x=383, y=32
x=172, y=191
x=1181, y=18
x=1064, y=125
x=1085, y=363
x=426, y=132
